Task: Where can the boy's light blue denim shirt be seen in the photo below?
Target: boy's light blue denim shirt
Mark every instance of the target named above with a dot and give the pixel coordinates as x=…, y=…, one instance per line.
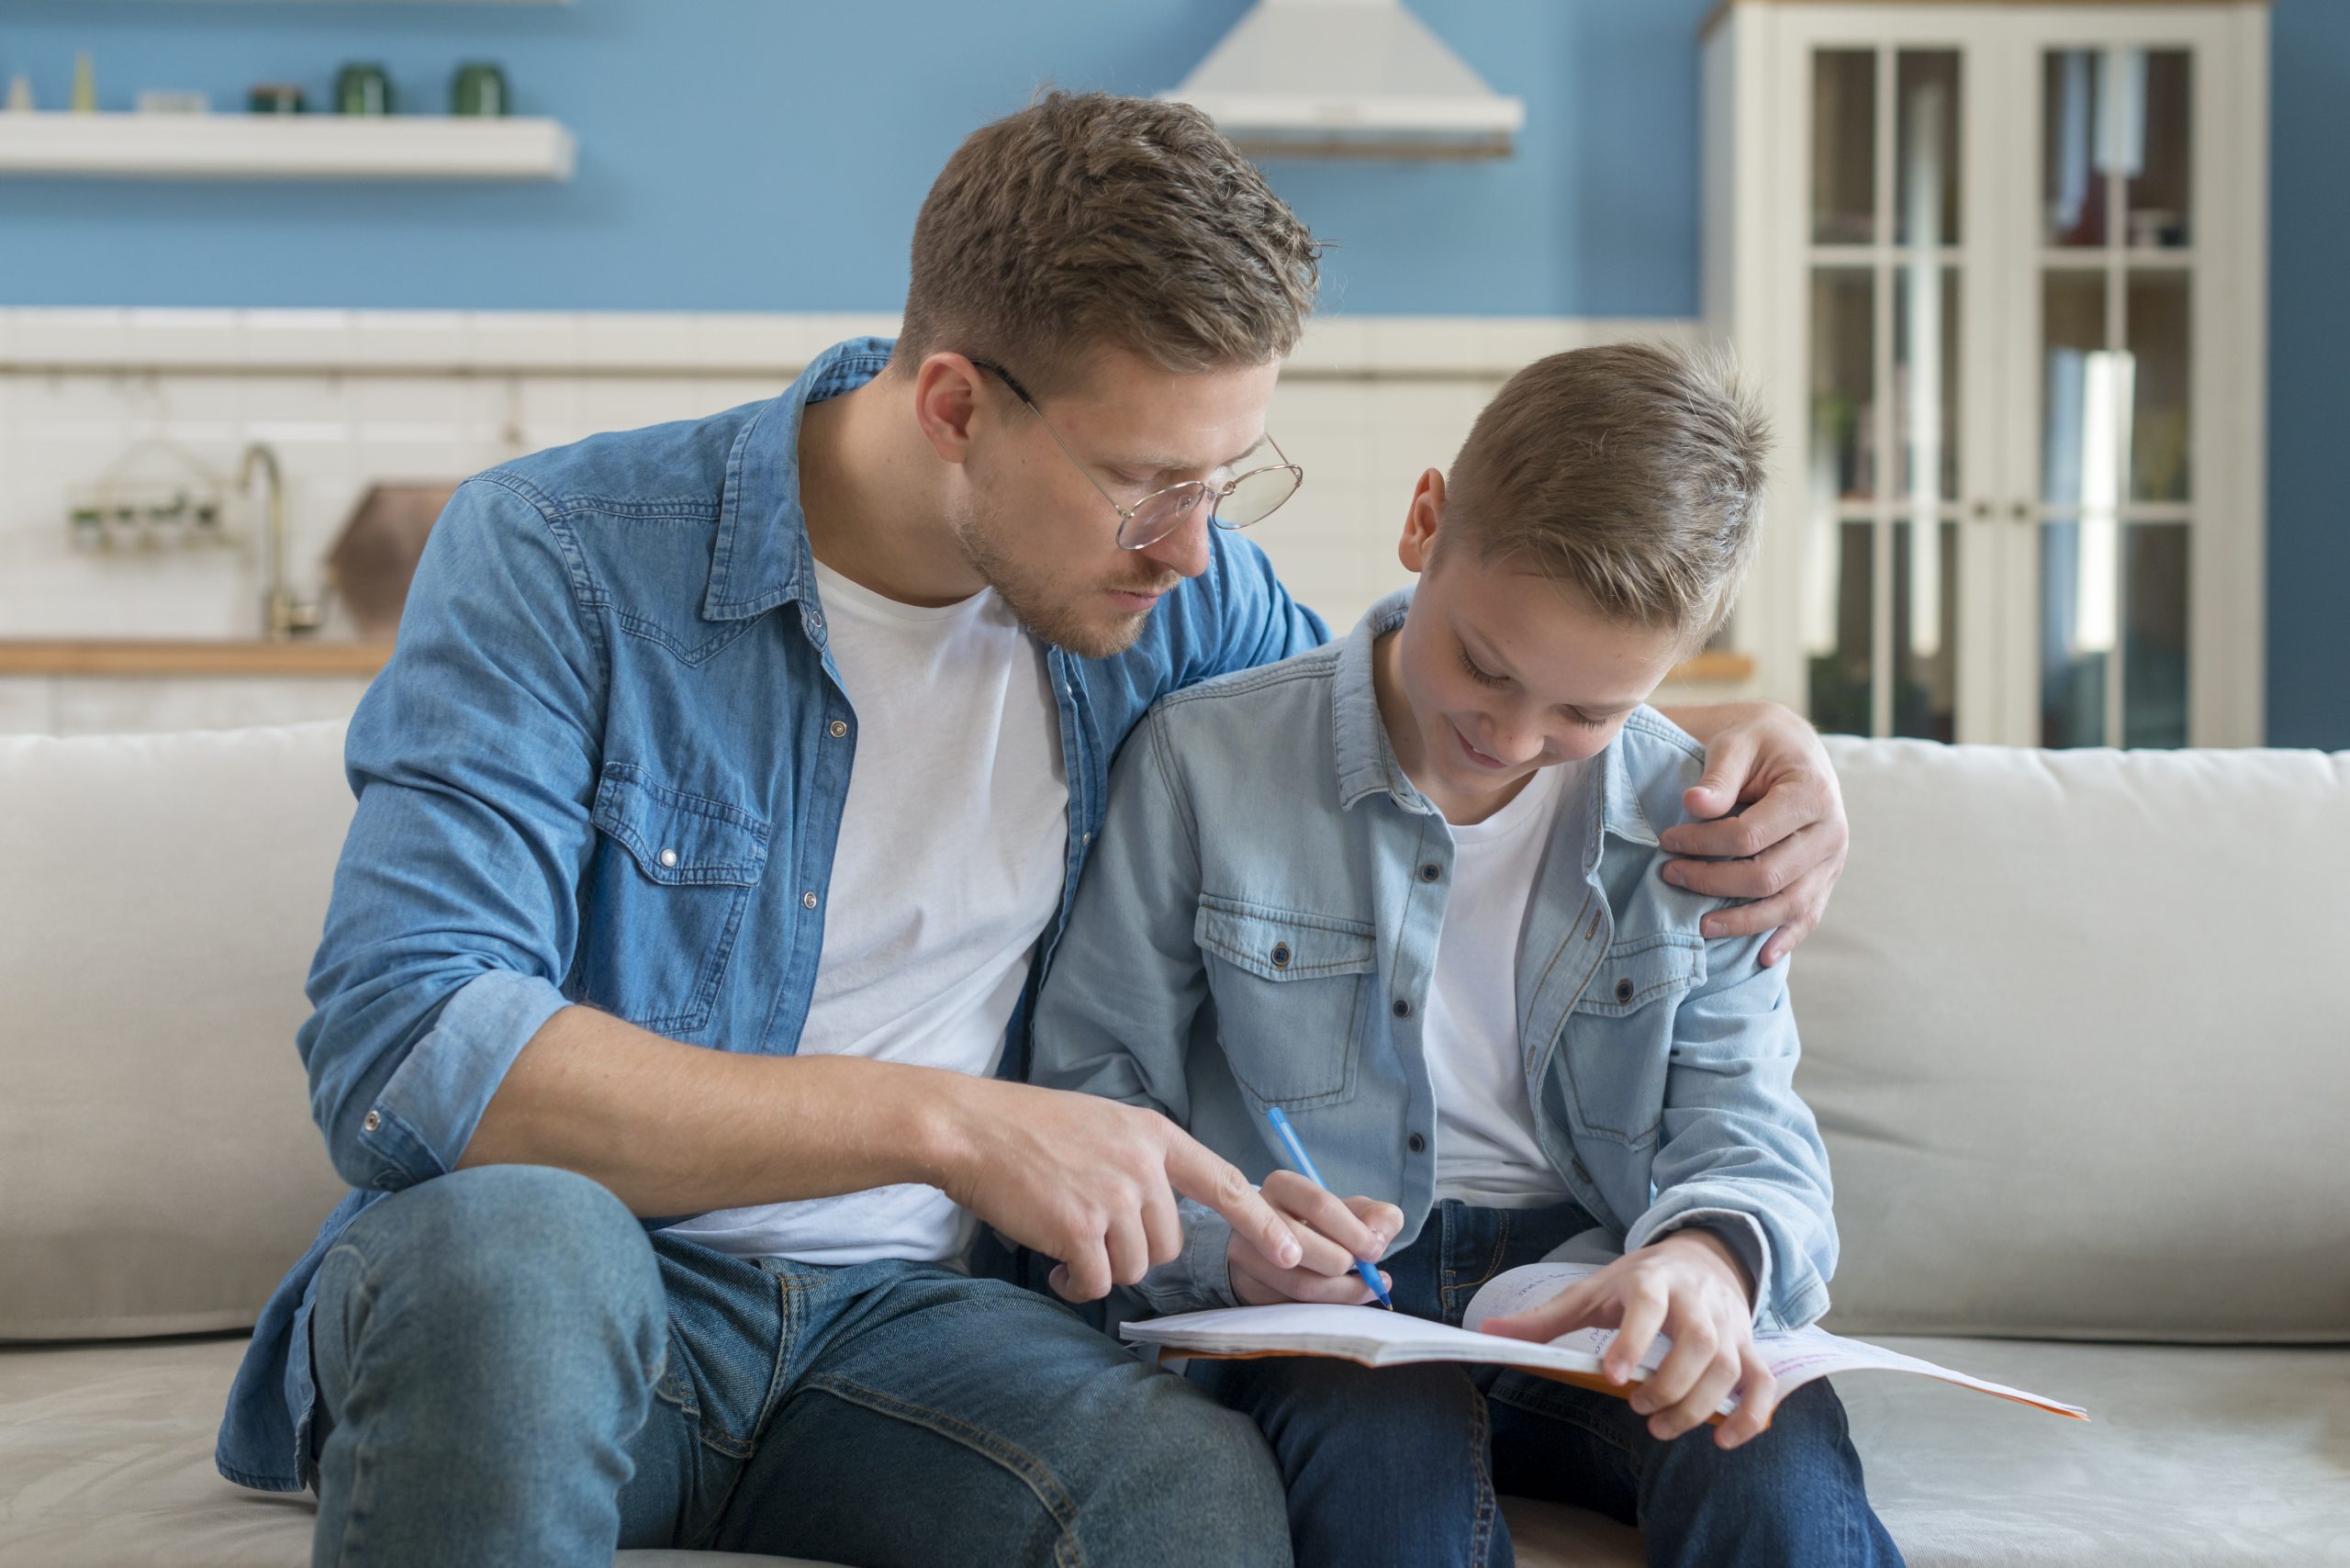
x=606, y=764
x=1258, y=928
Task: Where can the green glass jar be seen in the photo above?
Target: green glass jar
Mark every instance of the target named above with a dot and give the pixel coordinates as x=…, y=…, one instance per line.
x=478, y=90
x=273, y=98
x=363, y=88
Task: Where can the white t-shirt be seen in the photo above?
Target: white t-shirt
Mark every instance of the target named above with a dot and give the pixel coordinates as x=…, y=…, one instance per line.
x=1485, y=1149
x=950, y=865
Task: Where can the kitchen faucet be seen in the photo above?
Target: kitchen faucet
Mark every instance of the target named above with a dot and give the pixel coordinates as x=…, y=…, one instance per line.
x=283, y=615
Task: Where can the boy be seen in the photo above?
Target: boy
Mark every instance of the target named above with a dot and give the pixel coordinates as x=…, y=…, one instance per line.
x=1407, y=889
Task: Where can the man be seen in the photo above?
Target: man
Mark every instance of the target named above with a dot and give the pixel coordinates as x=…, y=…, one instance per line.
x=717, y=815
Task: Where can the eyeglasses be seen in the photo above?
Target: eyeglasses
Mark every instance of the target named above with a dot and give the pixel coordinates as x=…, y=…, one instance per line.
x=1248, y=498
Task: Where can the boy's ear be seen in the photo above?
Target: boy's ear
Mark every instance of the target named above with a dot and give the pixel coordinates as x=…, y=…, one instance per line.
x=1422, y=522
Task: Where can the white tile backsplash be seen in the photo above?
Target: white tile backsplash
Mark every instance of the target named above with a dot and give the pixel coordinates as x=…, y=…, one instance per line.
x=350, y=397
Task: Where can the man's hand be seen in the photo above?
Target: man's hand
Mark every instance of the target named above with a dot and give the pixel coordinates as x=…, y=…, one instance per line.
x=1330, y=1235
x=1691, y=1287
x=1790, y=846
x=1087, y=1180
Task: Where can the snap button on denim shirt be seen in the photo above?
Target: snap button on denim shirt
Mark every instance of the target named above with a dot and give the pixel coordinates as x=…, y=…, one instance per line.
x=1258, y=928
x=606, y=764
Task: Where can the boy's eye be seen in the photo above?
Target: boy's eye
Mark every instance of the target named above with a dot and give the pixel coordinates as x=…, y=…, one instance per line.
x=1588, y=722
x=1479, y=676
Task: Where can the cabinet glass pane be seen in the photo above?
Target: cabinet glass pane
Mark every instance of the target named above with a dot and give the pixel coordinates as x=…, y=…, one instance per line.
x=2159, y=413
x=2153, y=680
x=1925, y=381
x=1925, y=169
x=2157, y=130
x=1843, y=381
x=1925, y=629
x=2079, y=584
x=2079, y=421
x=2074, y=137
x=1839, y=621
x=1843, y=147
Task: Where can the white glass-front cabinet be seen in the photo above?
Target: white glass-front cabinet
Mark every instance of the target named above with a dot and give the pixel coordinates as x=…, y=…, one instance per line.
x=1998, y=271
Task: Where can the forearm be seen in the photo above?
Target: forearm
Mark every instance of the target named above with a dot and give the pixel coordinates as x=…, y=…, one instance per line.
x=676, y=1129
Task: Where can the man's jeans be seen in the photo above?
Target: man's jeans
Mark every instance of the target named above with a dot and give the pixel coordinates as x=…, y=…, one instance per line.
x=512, y=1370
x=1402, y=1464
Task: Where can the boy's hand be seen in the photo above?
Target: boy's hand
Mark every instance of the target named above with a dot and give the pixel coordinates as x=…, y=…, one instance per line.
x=1789, y=848
x=1330, y=1236
x=1690, y=1286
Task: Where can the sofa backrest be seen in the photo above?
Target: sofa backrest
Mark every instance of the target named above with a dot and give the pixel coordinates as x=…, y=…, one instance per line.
x=2073, y=1030
x=2077, y=1033
x=160, y=898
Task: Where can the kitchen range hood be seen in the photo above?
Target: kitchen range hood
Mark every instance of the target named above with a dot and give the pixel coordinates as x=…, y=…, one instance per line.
x=1346, y=79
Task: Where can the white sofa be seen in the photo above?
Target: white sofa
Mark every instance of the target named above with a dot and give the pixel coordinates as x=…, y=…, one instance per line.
x=2077, y=1032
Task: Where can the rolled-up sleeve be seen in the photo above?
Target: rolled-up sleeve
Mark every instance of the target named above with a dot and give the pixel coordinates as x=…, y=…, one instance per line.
x=455, y=910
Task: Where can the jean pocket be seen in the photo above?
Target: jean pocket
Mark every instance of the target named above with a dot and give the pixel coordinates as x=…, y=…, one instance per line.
x=1292, y=993
x=669, y=882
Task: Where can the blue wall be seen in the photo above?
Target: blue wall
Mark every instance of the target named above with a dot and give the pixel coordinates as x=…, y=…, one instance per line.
x=769, y=155
x=2308, y=368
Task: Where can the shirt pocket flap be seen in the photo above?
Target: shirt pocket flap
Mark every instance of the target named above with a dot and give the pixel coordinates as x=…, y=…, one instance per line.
x=678, y=839
x=1638, y=972
x=1281, y=945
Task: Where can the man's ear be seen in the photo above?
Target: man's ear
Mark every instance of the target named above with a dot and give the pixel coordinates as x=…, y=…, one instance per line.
x=946, y=403
x=1422, y=522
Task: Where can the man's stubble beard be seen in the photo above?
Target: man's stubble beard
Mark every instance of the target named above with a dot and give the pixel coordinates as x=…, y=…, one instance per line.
x=1035, y=598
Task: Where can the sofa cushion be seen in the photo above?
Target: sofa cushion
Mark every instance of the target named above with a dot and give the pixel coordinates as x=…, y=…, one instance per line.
x=2075, y=1033
x=2198, y=1458
x=162, y=895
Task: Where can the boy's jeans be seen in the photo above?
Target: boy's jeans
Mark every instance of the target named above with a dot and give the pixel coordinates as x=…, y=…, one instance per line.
x=1402, y=1464
x=511, y=1370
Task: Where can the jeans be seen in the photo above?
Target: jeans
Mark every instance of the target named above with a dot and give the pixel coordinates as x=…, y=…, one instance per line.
x=511, y=1370
x=1403, y=1464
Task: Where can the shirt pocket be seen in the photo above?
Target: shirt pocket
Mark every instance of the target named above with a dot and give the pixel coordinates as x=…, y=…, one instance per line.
x=1293, y=994
x=671, y=878
x=1619, y=1048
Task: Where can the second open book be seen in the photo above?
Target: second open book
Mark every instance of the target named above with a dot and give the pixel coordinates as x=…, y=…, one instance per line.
x=1380, y=1339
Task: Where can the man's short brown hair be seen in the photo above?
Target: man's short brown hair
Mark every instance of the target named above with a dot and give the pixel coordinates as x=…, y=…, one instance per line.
x=1088, y=219
x=1632, y=472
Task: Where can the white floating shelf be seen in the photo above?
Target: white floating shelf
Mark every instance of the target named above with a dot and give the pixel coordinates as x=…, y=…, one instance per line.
x=289, y=147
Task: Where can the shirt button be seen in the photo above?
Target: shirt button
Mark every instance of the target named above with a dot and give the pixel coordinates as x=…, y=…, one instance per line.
x=808, y=899
x=1402, y=1009
x=1431, y=871
x=836, y=729
x=375, y=1119
x=1624, y=988
x=1280, y=955
x=1089, y=837
x=1416, y=1143
x=668, y=857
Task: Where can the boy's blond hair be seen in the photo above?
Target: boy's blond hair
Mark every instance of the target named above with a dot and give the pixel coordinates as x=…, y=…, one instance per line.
x=1631, y=472
x=1088, y=219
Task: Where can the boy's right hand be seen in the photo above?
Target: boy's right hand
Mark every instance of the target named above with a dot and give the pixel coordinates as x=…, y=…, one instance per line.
x=1330, y=1233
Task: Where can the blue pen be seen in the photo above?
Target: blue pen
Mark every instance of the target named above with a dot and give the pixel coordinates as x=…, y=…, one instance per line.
x=1305, y=1163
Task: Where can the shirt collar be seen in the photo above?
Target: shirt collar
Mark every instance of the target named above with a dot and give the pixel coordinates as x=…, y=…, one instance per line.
x=1366, y=760
x=762, y=557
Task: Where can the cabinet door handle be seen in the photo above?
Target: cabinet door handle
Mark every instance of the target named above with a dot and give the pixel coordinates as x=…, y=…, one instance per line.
x=1982, y=510
x=2020, y=512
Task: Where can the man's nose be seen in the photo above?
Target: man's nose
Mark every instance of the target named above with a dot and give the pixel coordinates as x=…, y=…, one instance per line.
x=1184, y=549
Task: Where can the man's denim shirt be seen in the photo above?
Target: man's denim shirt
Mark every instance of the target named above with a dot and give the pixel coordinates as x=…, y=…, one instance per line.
x=1260, y=926
x=607, y=766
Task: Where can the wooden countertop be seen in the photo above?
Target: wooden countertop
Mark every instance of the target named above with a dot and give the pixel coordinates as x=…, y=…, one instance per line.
x=218, y=657
x=224, y=657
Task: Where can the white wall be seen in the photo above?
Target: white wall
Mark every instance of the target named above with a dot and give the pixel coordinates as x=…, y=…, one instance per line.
x=348, y=399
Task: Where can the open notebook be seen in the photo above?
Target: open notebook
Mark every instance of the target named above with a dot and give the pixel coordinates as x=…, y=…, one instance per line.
x=1378, y=1338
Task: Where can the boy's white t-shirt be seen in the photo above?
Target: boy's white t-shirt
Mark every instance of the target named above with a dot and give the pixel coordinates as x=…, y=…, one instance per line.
x=1485, y=1149
x=948, y=866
